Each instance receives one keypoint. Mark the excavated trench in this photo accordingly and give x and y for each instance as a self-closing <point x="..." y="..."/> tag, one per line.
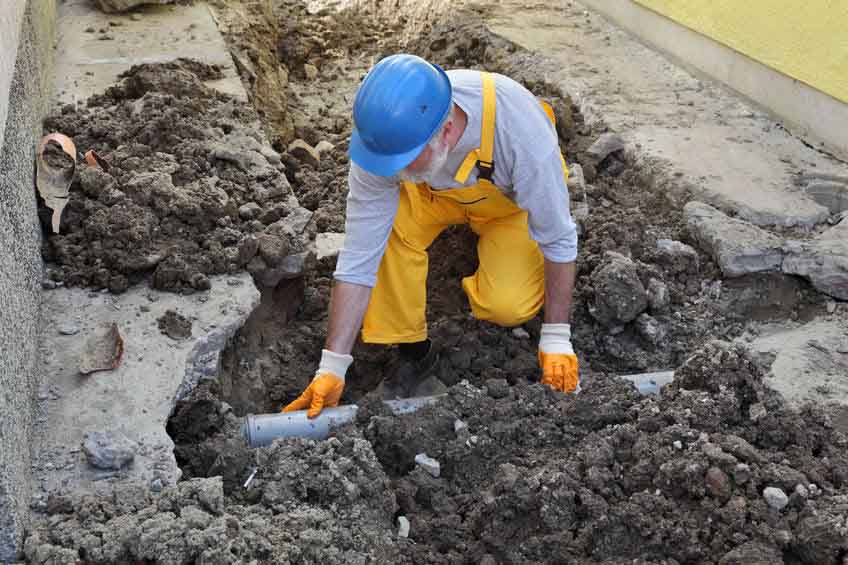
<point x="526" y="475"/>
<point x="633" y="240"/>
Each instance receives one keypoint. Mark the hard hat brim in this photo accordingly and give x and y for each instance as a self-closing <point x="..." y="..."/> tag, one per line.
<point x="380" y="164"/>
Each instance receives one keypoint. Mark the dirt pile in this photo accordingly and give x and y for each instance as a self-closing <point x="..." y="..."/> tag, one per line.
<point x="191" y="188"/>
<point x="715" y="470"/>
<point x="327" y="503"/>
<point x="611" y="477"/>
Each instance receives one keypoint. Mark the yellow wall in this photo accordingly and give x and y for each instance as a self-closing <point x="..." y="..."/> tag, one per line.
<point x="805" y="39"/>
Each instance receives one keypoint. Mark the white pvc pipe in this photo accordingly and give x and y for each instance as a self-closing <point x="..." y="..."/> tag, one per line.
<point x="263" y="429"/>
<point x="650" y="383"/>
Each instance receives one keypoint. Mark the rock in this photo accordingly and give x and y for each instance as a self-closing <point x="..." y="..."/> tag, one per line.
<point x="329" y="244"/>
<point x="833" y="195"/>
<point x="520" y="333"/>
<point x="738" y="247"/>
<point x="304" y="153"/>
<point x="292" y="266"/>
<point x="497" y="388"/>
<point x="718" y="484"/>
<point x="741" y="473"/>
<point x="677" y="444"/>
<point x="311" y="71"/>
<point x="824" y="261"/>
<point x="459" y="427"/>
<point x="775" y="498"/>
<point x="741" y="449"/>
<point x="605" y="145"/>
<point x="265" y="193"/>
<point x="403" y="527"/>
<point x="273" y="246"/>
<point x="249" y="159"/>
<point x="199" y="281"/>
<point x="658" y="296"/>
<point x="429" y="464"/>
<point x="112" y="6"/>
<point x="156" y="485"/>
<point x="619" y="296"/>
<point x="650" y="329"/>
<point x="69" y="328"/>
<point x="799" y="496"/>
<point x="106" y="450"/>
<point x="270" y="155"/>
<point x="757" y="411"/>
<point x="324" y="147"/>
<point x="249" y="211"/>
<point x="677" y="256"/>
<point x="248" y="248"/>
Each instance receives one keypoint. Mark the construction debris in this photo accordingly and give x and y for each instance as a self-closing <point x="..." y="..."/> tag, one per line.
<point x="428" y="464"/>
<point x="738" y="247"/>
<point x="56" y="162"/>
<point x="103" y="350"/>
<point x="108" y="450"/>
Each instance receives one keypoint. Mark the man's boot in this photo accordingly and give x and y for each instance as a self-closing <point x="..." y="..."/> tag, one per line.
<point x="417" y="362"/>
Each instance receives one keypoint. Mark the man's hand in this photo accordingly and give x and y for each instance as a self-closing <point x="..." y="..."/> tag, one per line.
<point x="560" y="368"/>
<point x="326" y="388"/>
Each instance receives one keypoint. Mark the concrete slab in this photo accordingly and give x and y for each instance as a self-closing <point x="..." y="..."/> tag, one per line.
<point x="137" y="398"/>
<point x="823" y="260"/>
<point x="87" y="63"/>
<point x="730" y="154"/>
<point x="739" y="248"/>
<point x="809" y="362"/>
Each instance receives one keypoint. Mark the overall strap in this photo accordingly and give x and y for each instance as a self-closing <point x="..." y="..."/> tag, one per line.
<point x="483" y="157"/>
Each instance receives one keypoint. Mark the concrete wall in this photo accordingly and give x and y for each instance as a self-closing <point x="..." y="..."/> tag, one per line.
<point x="791" y="60"/>
<point x="26" y="47"/>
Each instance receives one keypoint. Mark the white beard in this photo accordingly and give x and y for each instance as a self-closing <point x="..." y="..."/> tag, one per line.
<point x="438" y="158"/>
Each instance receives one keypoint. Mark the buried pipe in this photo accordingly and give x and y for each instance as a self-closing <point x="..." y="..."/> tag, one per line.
<point x="262" y="429"/>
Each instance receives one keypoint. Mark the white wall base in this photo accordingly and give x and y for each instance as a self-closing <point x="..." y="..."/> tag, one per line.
<point x="807" y="112"/>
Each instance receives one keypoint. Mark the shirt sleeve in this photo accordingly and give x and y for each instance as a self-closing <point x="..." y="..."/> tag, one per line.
<point x="541" y="190"/>
<point x="372" y="204"/>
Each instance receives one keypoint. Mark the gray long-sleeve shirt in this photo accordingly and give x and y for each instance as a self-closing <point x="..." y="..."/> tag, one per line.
<point x="527" y="169"/>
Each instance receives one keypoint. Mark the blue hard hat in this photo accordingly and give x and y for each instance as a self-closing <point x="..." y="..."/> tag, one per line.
<point x="400" y="105"/>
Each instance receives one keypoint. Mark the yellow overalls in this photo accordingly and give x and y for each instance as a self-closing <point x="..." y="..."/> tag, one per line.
<point x="509" y="286"/>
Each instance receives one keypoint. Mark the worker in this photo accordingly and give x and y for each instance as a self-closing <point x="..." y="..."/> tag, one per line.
<point x="430" y="149"/>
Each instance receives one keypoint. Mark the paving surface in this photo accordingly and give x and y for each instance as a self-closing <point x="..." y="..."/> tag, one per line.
<point x="809" y="362"/>
<point x="93" y="48"/>
<point x="735" y="156"/>
<point x="136" y="399"/>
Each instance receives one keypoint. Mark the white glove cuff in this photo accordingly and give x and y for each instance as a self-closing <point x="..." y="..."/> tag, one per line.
<point x="334" y="363"/>
<point x="556" y="338"/>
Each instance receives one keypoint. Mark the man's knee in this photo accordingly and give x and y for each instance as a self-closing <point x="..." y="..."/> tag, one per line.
<point x="508" y="308"/>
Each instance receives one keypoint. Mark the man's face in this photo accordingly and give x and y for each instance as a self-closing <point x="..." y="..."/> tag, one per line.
<point x="428" y="163"/>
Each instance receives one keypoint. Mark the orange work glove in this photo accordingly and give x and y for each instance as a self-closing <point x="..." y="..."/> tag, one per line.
<point x="326" y="387"/>
<point x="560" y="368"/>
